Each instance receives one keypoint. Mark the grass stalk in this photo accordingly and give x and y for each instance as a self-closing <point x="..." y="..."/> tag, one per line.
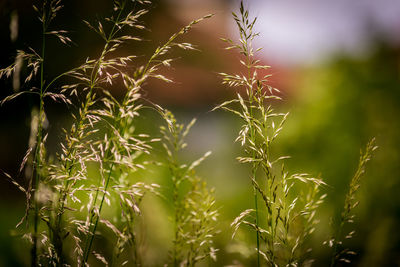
<point x="93" y="76"/>
<point x="37" y="156"/>
<point x="92" y="233"/>
<point x="193" y="208"/>
<point x="346" y="217"/>
<point x="258" y="131"/>
<point x="254" y="165"/>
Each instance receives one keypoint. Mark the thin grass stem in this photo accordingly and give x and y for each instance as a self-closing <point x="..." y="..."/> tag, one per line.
<point x="37" y="159"/>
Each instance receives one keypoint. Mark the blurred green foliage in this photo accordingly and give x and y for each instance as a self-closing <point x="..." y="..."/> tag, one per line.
<point x="336" y="109"/>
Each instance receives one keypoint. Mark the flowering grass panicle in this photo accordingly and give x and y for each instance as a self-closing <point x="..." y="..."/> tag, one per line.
<point x="194" y="213"/>
<point x="286" y="217"/>
<point x="101" y="149"/>
<point x="339" y="252"/>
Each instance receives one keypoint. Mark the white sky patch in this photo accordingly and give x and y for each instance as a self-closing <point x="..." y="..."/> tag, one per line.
<point x="308" y="31"/>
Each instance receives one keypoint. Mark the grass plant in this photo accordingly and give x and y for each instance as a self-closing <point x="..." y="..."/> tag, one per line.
<point x="194" y="216"/>
<point x="286" y="217"/>
<point x="339" y="252"/>
<point x="35" y="61"/>
<point x="56" y="188"/>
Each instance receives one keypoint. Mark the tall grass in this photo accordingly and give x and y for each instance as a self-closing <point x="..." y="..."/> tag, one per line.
<point x="65" y="198"/>
<point x="286" y="217"/>
<point x="77" y="197"/>
<point x="35" y="60"/>
<point x="194" y="212"/>
<point x="339" y="252"/>
<point x="285" y="205"/>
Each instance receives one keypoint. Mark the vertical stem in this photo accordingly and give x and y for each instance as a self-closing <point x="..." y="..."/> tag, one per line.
<point x="173" y="165"/>
<point x="258" y="235"/>
<point x="256" y="208"/>
<point x="37" y="159"/>
<point x="254" y="167"/>
<point x="175" y="196"/>
<point x="87" y="252"/>
<point x="335" y="246"/>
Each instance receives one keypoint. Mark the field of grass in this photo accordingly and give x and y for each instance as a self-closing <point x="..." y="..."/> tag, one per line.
<point x="103" y="174"/>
